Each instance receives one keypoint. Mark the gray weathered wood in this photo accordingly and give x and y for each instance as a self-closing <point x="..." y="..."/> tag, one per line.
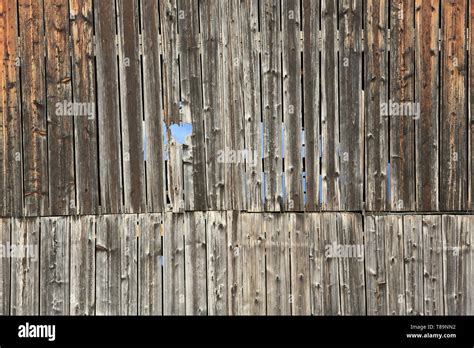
<point x="330" y="271"/>
<point x="413" y="254"/>
<point x="235" y="263"/>
<point x="313" y="225"/>
<point x="5" y="263"/>
<point x="300" y="269"/>
<point x="127" y="228"/>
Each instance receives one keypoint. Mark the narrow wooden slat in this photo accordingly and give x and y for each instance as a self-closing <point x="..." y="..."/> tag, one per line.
<point x="402" y="131"/>
<point x="11" y="180"/>
<point x="311" y="102"/>
<point x="376" y="285"/>
<point x="83" y="265"/>
<point x="150" y="277"/>
<point x="174" y="296"/>
<point x="330" y="169"/>
<point x="25" y="270"/>
<point x="292" y="104"/>
<point x="131" y="106"/>
<point x="175" y="178"/>
<point x="253" y="257"/>
<point x="5" y="263"/>
<point x="128" y="231"/>
<point x="62" y="191"/>
<point x="110" y="162"/>
<point x="272" y="103"/>
<point x="471" y="101"/>
<point x="351" y="267"/>
<point x="84" y="91"/>
<point x="427" y="94"/>
<point x="54" y="263"/>
<point x="191" y="95"/>
<point x="453" y="124"/>
<point x="217" y="259"/>
<point x="279" y="297"/>
<point x="250" y="51"/>
<point x="432" y="265"/>
<point x="300" y="269"/>
<point x="195" y="256"/>
<point x="413" y="253"/>
<point x="235" y="263"/>
<point x="33" y="99"/>
<point x="351" y="114"/>
<point x="313" y="225"/>
<point x="375" y="92"/>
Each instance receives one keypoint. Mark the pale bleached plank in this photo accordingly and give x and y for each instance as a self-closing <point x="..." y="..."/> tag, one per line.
<point x="330" y="269"/>
<point x="313" y="224"/>
<point x="300" y="269"/>
<point x="128" y="230"/>
<point x="413" y="254"/>
<point x="235" y="263"/>
<point x="5" y="263"/>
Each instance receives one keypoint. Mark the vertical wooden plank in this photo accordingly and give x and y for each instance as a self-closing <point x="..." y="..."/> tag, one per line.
<point x="250" y="51"/>
<point x="217" y="259"/>
<point x="330" y="169"/>
<point x="128" y="232"/>
<point x="313" y="225"/>
<point x="392" y="228"/>
<point x="5" y="263"/>
<point x="131" y="106"/>
<point x="253" y="256"/>
<point x="402" y="78"/>
<point x="174" y="296"/>
<point x="272" y="103"/>
<point x="453" y="124"/>
<point x="300" y="272"/>
<point x="110" y="165"/>
<point x="54" y="263"/>
<point x="211" y="89"/>
<point x="83" y="265"/>
<point x="195" y="256"/>
<point x="471" y="101"/>
<point x="150" y="282"/>
<point x="351" y="115"/>
<point x="62" y="191"/>
<point x="11" y="181"/>
<point x="279" y="297"/>
<point x="155" y="181"/>
<point x="351" y="267"/>
<point x="427" y="94"/>
<point x="191" y="94"/>
<point x="175" y="177"/>
<point x="33" y="99"/>
<point x="108" y="265"/>
<point x="235" y="280"/>
<point x="457" y="264"/>
<point x="311" y="102"/>
<point x="330" y="270"/>
<point x="84" y="91"/>
<point x="292" y="104"/>
<point x="432" y="265"/>
<point x="375" y="92"/>
<point x="376" y="285"/>
<point x="413" y="251"/>
<point x="25" y="270"/>
<point x="469" y="263"/>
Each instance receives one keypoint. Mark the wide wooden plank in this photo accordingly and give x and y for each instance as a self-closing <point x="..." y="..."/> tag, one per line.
<point x="330" y="169"/>
<point x="195" y="256"/>
<point x="33" y="99"/>
<point x="110" y="162"/>
<point x="11" y="180"/>
<point x="300" y="269"/>
<point x="55" y="266"/>
<point x="5" y="263"/>
<point x="235" y="263"/>
<point x="253" y="256"/>
<point x="313" y="225"/>
<point x="150" y="276"/>
<point x="432" y="265"/>
<point x="453" y="123"/>
<point x="427" y="95"/>
<point x="413" y="253"/>
<point x="272" y="103"/>
<point x="62" y="191"/>
<point x="376" y="93"/>
<point x="351" y="114"/>
<point x="25" y="290"/>
<point x="174" y="296"/>
<point x="84" y="91"/>
<point x="277" y="231"/>
<point x="131" y="106"/>
<point x="402" y="95"/>
<point x="83" y="265"/>
<point x="292" y="104"/>
<point x="217" y="258"/>
<point x="250" y="53"/>
<point x="311" y="102"/>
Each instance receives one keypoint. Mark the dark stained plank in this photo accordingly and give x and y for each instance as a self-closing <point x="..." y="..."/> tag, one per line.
<point x="471" y="101"/>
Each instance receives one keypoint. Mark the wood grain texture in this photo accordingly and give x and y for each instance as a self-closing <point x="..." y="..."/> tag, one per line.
<point x="300" y="269"/>
<point x="127" y="229"/>
<point x="5" y="266"/>
<point x="413" y="251"/>
<point x="316" y="259"/>
<point x="235" y="263"/>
